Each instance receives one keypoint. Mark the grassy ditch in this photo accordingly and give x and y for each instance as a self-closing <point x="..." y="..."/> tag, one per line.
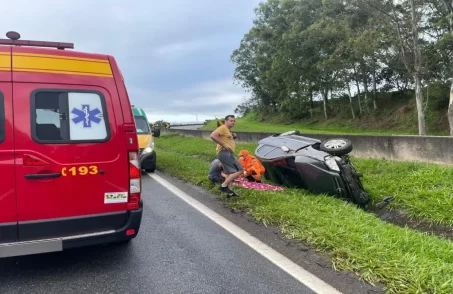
<point x="406" y="261"/>
<point x="422" y="191"/>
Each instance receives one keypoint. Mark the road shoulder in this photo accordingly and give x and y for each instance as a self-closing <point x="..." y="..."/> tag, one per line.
<point x="306" y="257"/>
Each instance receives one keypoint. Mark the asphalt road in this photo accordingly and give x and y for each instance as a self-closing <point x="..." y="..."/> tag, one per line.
<point x="178" y="250"/>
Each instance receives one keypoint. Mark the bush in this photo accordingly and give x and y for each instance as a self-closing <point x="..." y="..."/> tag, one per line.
<point x="438" y="95"/>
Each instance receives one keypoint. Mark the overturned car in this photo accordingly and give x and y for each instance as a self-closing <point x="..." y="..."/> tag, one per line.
<point x="321" y="167"/>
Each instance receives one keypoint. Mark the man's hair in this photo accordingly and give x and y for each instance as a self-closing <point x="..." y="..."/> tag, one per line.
<point x="228" y="117"/>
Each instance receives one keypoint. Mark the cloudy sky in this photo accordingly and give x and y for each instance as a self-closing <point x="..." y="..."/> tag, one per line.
<point x="174" y="54"/>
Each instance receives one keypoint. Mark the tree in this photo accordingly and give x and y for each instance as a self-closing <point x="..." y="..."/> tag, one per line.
<point x="404" y="26"/>
<point x="441" y="28"/>
<point x="300" y="49"/>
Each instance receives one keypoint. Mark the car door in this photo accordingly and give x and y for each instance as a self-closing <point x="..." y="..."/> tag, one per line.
<point x="8" y="211"/>
<point x="69" y="161"/>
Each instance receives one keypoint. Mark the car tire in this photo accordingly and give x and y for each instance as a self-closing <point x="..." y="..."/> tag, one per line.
<point x="151" y="170"/>
<point x="337" y="147"/>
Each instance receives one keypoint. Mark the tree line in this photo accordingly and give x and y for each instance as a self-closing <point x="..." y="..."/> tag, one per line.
<point x="301" y="51"/>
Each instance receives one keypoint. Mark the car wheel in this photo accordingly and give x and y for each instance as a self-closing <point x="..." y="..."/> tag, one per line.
<point x="151" y="169"/>
<point x="337" y="147"/>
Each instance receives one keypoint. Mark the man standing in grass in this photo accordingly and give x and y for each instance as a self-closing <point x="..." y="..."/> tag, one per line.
<point x="225" y="153"/>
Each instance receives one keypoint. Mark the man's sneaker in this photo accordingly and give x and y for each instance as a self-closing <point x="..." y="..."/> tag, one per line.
<point x="228" y="191"/>
<point x="232" y="194"/>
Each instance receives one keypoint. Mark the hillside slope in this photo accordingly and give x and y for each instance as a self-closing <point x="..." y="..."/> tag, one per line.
<point x="396" y="114"/>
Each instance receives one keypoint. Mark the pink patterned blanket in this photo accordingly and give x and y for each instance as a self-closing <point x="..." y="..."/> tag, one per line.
<point x="242" y="182"/>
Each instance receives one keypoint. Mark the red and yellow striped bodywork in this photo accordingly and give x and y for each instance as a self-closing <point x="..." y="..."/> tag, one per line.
<point x="24" y="64"/>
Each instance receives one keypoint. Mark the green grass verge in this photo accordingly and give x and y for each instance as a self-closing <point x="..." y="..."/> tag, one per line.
<point x="405" y="260"/>
<point x="420" y="190"/>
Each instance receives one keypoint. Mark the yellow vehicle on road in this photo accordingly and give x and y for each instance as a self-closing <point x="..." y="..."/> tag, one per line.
<point x="145" y="140"/>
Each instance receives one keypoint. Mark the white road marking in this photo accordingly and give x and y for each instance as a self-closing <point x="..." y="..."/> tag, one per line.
<point x="306" y="278"/>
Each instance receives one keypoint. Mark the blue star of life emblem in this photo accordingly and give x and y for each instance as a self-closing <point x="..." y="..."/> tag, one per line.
<point x="86" y="115"/>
